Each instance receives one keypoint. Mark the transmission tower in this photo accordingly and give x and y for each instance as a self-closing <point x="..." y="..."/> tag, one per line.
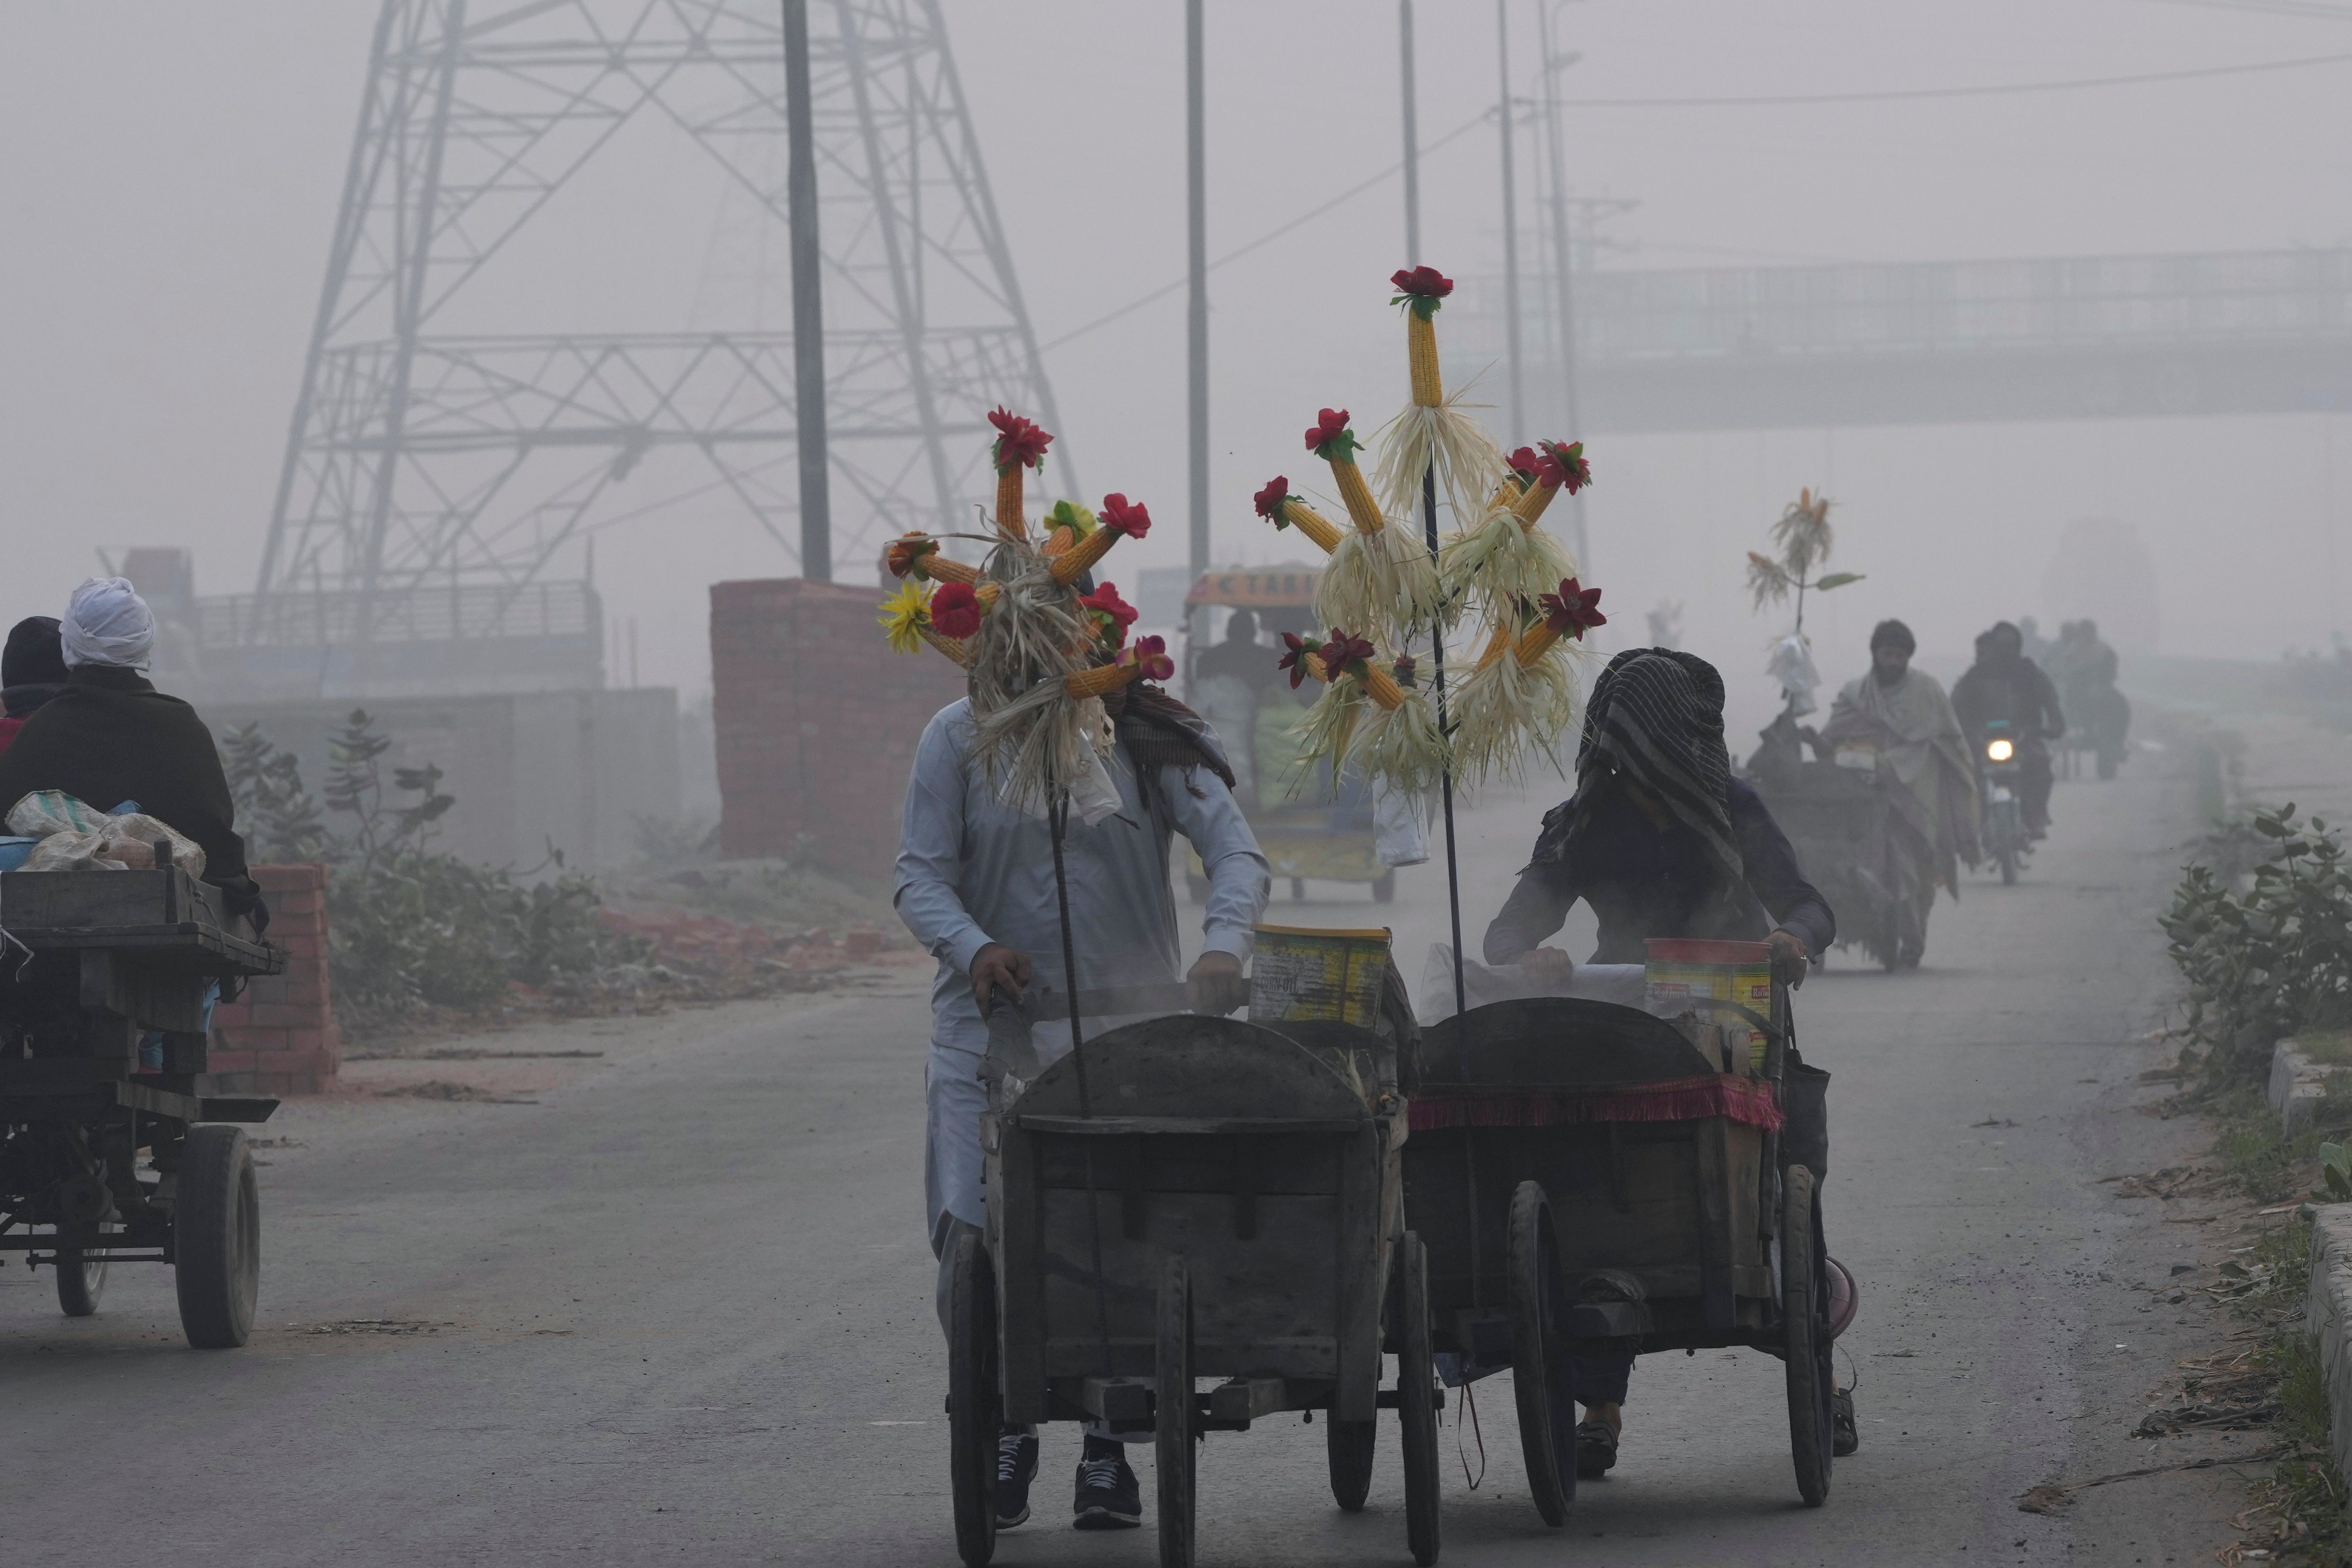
<point x="425" y="458"/>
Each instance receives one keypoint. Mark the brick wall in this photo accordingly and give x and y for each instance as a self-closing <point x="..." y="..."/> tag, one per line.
<point x="816" y="721"/>
<point x="279" y="1037"/>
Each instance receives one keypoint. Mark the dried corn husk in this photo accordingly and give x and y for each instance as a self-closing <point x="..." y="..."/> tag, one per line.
<point x="1386" y="581"/>
<point x="1034" y="739"/>
<point x="1501" y="560"/>
<point x="1512" y="705"/>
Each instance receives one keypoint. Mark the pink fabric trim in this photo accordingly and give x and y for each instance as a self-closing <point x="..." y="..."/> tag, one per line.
<point x="1748" y="1101"/>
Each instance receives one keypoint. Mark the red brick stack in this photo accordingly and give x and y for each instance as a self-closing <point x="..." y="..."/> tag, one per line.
<point x="279" y="1037"/>
<point x="817" y="721"/>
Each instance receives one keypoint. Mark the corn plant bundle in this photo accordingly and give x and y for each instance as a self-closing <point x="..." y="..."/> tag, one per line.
<point x="1020" y="446"/>
<point x="1121" y="519"/>
<point x="1037" y="741"/>
<point x="917" y="555"/>
<point x="1381" y="576"/>
<point x="1432" y="430"/>
<point x="1398" y="740"/>
<point x="1508" y="556"/>
<point x="1525" y="691"/>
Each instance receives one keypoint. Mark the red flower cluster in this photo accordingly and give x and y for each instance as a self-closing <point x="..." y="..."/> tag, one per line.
<point x="1270" y="499"/>
<point x="1117" y="514"/>
<point x="1526" y="461"/>
<point x="1019" y="442"/>
<point x="955" y="610"/>
<point x="1422" y="282"/>
<point x="906" y="551"/>
<point x="1573" y="611"/>
<point x="1150" y="656"/>
<point x="1295" y="660"/>
<point x="1342" y="651"/>
<point x="1565" y="465"/>
<point x="1330" y="438"/>
<point x="1114" y="615"/>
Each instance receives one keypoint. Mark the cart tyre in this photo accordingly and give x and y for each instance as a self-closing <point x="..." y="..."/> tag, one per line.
<point x="1417" y="1400"/>
<point x="1539" y="1377"/>
<point x="1174" y="1428"/>
<point x="1350" y="1445"/>
<point x="974" y="1403"/>
<point x="2008" y="867"/>
<point x="81" y="1282"/>
<point x="217" y="1238"/>
<point x="1804" y="1304"/>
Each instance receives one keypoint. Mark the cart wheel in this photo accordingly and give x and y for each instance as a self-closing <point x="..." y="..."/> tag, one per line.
<point x="975" y="1406"/>
<point x="1417" y="1400"/>
<point x="217" y="1238"/>
<point x="80" y="1281"/>
<point x="1540" y="1377"/>
<point x="1350" y="1445"/>
<point x="1174" y="1458"/>
<point x="1804" y="1308"/>
<point x="1384" y="888"/>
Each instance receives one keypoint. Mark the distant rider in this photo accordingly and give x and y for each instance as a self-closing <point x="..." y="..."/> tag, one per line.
<point x="2003" y="683"/>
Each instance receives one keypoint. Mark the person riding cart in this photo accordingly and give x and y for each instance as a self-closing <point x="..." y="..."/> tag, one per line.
<point x="1663" y="842"/>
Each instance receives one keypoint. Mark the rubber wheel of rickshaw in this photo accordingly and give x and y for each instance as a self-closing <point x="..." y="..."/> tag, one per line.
<point x="1349" y="1444"/>
<point x="1804" y="1310"/>
<point x="975" y="1407"/>
<point x="1173" y="1428"/>
<point x="217" y="1238"/>
<point x="2008" y="868"/>
<point x="80" y="1281"/>
<point x="1417" y="1399"/>
<point x="1540" y="1373"/>
<point x="1384" y="888"/>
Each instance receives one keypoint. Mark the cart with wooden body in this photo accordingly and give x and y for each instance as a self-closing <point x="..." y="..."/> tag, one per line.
<point x="90" y="962"/>
<point x="1193" y="1198"/>
<point x="1592" y="1178"/>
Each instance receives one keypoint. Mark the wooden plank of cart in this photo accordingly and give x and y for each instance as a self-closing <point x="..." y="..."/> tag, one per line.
<point x="1190" y="1198"/>
<point x="1590" y="1176"/>
<point x="92" y="961"/>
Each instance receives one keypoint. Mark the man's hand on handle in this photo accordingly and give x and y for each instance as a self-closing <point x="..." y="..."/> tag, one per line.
<point x="1789" y="960"/>
<point x="1218" y="985"/>
<point x="997" y="968"/>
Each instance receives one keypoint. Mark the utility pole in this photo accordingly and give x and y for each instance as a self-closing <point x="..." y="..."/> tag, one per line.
<point x="1197" y="326"/>
<point x="808" y="301"/>
<point x="1563" y="262"/>
<point x="1510" y="226"/>
<point x="1411" y="138"/>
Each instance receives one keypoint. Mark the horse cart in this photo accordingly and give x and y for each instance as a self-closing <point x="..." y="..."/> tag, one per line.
<point x="1594" y="1179"/>
<point x="91" y="962"/>
<point x="1189" y="1199"/>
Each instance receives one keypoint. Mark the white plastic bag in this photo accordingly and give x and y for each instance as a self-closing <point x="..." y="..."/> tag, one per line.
<point x="76" y="838"/>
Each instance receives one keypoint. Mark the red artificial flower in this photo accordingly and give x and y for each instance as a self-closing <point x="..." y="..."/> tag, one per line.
<point x="1330" y="438"/>
<point x="1525" y="461"/>
<point x="1342" y="651"/>
<point x="1422" y="282"/>
<point x="955" y="610"/>
<point x="1405" y="669"/>
<point x="1018" y="441"/>
<point x="1150" y="656"/>
<point x="1295" y="660"/>
<point x="906" y="551"/>
<point x="1573" y="611"/>
<point x="1133" y="521"/>
<point x="1117" y="613"/>
<point x="1567" y="465"/>
<point x="1270" y="499"/>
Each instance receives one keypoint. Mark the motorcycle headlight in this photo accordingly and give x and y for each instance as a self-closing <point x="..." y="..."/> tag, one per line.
<point x="1999" y="750"/>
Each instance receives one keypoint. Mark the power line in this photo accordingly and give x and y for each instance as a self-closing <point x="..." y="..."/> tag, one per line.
<point x="2309" y="8"/>
<point x="2009" y="90"/>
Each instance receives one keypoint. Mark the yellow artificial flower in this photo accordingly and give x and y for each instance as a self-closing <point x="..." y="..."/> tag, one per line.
<point x="905" y="614"/>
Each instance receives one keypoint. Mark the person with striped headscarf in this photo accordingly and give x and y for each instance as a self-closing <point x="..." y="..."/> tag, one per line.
<point x="1661" y="841"/>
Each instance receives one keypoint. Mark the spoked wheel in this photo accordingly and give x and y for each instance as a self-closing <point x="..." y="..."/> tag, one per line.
<point x="1350" y="1445"/>
<point x="217" y="1238"/>
<point x="975" y="1406"/>
<point x="81" y="1280"/>
<point x="1417" y="1399"/>
<point x="1805" y="1307"/>
<point x="1172" y="1433"/>
<point x="1539" y="1376"/>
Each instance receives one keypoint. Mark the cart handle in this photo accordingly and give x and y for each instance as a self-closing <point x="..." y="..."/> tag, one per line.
<point x="1769" y="1030"/>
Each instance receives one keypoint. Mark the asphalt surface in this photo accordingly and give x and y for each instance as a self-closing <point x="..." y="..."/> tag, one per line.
<point x="676" y="1305"/>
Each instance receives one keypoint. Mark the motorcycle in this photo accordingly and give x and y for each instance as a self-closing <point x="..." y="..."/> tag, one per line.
<point x="1999" y="769"/>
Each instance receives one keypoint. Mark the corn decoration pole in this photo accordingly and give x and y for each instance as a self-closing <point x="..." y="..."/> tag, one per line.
<point x="1433" y="433"/>
<point x="1277" y="505"/>
<point x="1380" y="578"/>
<point x="1121" y="519"/>
<point x="1400" y="739"/>
<point x="1020" y="446"/>
<point x="1508" y="555"/>
<point x="1523" y="694"/>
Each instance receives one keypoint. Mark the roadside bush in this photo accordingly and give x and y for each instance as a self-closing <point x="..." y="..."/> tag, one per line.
<point x="2270" y="958"/>
<point x="411" y="926"/>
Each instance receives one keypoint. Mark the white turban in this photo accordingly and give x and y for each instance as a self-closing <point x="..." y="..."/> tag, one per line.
<point x="106" y="622"/>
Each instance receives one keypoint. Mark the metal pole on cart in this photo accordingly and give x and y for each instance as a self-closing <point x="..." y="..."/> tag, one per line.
<point x="1446" y="789"/>
<point x="1058" y="817"/>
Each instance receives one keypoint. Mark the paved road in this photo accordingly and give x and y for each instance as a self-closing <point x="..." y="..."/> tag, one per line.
<point x="679" y="1307"/>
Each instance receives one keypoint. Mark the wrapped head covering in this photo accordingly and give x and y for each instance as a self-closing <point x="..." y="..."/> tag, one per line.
<point x="33" y="657"/>
<point x="1893" y="634"/>
<point x="1655" y="716"/>
<point x="106" y="622"/>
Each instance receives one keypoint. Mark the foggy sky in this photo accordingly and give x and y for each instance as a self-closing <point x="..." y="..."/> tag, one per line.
<point x="172" y="171"/>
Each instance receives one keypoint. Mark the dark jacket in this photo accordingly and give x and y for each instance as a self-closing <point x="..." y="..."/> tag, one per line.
<point x="1643" y="881"/>
<point x="110" y="737"/>
<point x="2018" y="691"/>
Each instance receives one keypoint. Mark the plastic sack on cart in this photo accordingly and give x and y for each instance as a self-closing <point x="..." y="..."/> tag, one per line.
<point x="1483" y="983"/>
<point x="74" y="837"/>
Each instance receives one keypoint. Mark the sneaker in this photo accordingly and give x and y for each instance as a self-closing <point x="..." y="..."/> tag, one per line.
<point x="1108" y="1497"/>
<point x="1016" y="1466"/>
<point x="1596" y="1449"/>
